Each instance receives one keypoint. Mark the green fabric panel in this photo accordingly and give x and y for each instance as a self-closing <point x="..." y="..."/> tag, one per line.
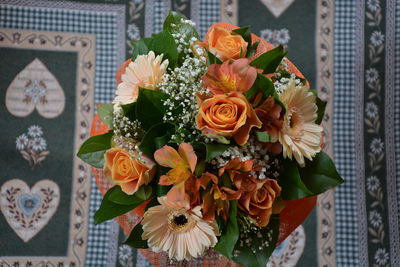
<point x="52" y="240"/>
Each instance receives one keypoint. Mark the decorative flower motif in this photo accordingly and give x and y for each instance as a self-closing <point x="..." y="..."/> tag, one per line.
<point x="174" y="228"/>
<point x="375" y="218"/>
<point x="133" y="31"/>
<point x="35" y="131"/>
<point x="276" y="37"/>
<point x="371" y="75"/>
<point x="230" y="76"/>
<point x="282" y="36"/>
<point x="373" y="5"/>
<point x="146" y="71"/>
<point x="376" y="146"/>
<point x="373" y="183"/>
<point x="21" y="142"/>
<point x="300" y="136"/>
<point x="126" y="170"/>
<point x="225" y="44"/>
<point x="227" y="115"/>
<point x="381" y="256"/>
<point x="39" y="144"/>
<point x="183" y="163"/>
<point x="125" y="252"/>
<point x="377" y="38"/>
<point x="371" y="109"/>
<point x="267" y="35"/>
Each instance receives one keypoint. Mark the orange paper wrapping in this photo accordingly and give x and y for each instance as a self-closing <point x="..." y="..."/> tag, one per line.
<point x="295" y="212"/>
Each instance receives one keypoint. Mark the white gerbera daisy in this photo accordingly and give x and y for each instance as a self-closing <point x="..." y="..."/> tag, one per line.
<point x="21" y="142"/>
<point x="174" y="228"/>
<point x="300" y="136"/>
<point x="35" y="131"/>
<point x="146" y="71"/>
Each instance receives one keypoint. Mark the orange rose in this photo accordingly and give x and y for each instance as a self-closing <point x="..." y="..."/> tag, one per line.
<point x="258" y="199"/>
<point x="225" y="44"/>
<point x="127" y="171"/>
<point x="227" y="115"/>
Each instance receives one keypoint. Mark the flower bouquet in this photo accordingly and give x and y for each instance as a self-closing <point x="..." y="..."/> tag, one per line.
<point x="216" y="144"/>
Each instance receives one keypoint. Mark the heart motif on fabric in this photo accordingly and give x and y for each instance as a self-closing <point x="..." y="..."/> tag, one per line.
<point x="277" y="7"/>
<point x="35" y="87"/>
<point x="27" y="210"/>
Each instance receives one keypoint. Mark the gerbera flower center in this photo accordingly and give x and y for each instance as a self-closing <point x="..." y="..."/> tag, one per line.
<point x="180" y="220"/>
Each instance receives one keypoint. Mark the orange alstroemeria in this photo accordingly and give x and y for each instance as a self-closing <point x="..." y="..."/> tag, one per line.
<point x="216" y="199"/>
<point x="230" y="76"/>
<point x="227" y="115"/>
<point x="183" y="163"/>
<point x="269" y="112"/>
<point x="238" y="170"/>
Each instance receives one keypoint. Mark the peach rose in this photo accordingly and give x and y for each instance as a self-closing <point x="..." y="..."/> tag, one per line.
<point x="258" y="199"/>
<point x="225" y="44"/>
<point x="227" y="115"/>
<point x="127" y="171"/>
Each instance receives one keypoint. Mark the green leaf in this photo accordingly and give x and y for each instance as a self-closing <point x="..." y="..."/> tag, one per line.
<point x="321" y="104"/>
<point x="213" y="59"/>
<point x="161" y="190"/>
<point x="244" y="32"/>
<point x="263" y="137"/>
<point x="109" y="210"/>
<point x="135" y="238"/>
<point x="140" y="47"/>
<point x="120" y="197"/>
<point x="155" y="138"/>
<point x="252" y="49"/>
<point x="214" y="150"/>
<point x="260" y="257"/>
<point x="261" y="85"/>
<point x="130" y="110"/>
<point x="173" y="23"/>
<point x="149" y="107"/>
<point x="270" y="60"/>
<point x="164" y="43"/>
<point x="105" y="112"/>
<point x="93" y="149"/>
<point x="200" y="168"/>
<point x="320" y="174"/>
<point x="291" y="183"/>
<point x="230" y="234"/>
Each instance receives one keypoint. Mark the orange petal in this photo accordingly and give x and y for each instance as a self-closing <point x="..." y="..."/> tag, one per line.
<point x="130" y="187"/>
<point x="167" y="157"/>
<point x="187" y="153"/>
<point x="177" y="193"/>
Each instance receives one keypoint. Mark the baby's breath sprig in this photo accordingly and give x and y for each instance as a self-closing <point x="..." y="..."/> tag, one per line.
<point x="183" y="84"/>
<point x="123" y="126"/>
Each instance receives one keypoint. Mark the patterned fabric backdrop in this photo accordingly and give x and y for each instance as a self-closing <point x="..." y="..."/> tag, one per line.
<point x="58" y="58"/>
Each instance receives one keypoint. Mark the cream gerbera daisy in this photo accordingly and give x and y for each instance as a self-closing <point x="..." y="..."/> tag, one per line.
<point x="174" y="228"/>
<point x="300" y="136"/>
<point x="146" y="71"/>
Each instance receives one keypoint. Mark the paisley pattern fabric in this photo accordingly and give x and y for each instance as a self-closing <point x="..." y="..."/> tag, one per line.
<point x="58" y="58"/>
